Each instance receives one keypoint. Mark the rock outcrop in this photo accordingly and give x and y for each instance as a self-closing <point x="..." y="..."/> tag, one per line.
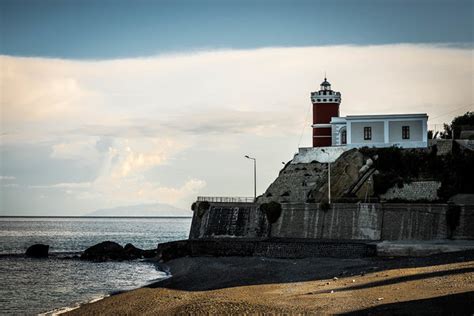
<point x="345" y="172"/>
<point x="109" y="250"/>
<point x="308" y="182"/>
<point x="37" y="251"/>
<point x="132" y="252"/>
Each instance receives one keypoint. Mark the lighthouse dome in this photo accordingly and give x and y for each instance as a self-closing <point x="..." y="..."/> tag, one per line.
<point x="325" y="83"/>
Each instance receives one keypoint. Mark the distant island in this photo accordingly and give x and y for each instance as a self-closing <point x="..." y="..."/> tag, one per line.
<point x="149" y="210"/>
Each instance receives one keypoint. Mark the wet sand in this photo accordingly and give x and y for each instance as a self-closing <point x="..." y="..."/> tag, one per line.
<point x="441" y="284"/>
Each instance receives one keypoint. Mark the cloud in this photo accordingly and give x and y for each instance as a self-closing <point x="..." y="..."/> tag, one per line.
<point x="5" y="178"/>
<point x="202" y="91"/>
<point x="126" y="191"/>
<point x="66" y="185"/>
<point x="84" y="148"/>
<point x="169" y="127"/>
<point x="121" y="178"/>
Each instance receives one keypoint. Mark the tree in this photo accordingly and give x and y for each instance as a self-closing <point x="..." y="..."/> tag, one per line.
<point x="458" y="124"/>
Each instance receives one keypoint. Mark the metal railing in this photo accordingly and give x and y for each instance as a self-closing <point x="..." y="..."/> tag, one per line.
<point x="226" y="199"/>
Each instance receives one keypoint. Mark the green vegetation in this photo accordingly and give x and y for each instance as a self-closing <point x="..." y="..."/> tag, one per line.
<point x="325" y="206"/>
<point x="272" y="211"/>
<point x="202" y="208"/>
<point x="457" y="173"/>
<point x="459" y="123"/>
<point x="397" y="166"/>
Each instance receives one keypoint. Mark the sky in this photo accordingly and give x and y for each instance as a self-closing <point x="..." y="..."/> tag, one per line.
<point x="115" y="103"/>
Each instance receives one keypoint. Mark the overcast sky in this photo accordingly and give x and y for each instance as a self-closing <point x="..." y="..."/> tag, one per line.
<point x="113" y="103"/>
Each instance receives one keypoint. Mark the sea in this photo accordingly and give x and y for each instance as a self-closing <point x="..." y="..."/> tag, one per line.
<point x="49" y="286"/>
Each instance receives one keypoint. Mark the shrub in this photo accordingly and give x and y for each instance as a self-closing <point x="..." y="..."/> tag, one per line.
<point x="397" y="166"/>
<point x="453" y="215"/>
<point x="202" y="208"/>
<point x="324" y="206"/>
<point x="272" y="211"/>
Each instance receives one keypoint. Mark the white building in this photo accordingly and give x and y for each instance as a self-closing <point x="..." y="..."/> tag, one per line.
<point x="402" y="130"/>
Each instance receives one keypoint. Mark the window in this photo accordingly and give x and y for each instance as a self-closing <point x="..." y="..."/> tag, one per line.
<point x="324" y="100"/>
<point x="319" y="100"/>
<point x="324" y="92"/>
<point x="405" y="132"/>
<point x="367" y="133"/>
<point x="344" y="137"/>
<point x="330" y="100"/>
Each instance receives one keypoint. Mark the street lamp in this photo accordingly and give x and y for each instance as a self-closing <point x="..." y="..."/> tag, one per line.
<point x="254" y="177"/>
<point x="329" y="176"/>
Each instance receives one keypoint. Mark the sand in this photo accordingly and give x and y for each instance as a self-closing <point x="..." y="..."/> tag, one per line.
<point x="441" y="284"/>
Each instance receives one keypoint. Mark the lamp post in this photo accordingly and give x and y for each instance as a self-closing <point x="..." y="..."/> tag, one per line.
<point x="329" y="176"/>
<point x="254" y="176"/>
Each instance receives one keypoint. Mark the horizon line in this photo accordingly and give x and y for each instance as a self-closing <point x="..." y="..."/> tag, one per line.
<point x="78" y="216"/>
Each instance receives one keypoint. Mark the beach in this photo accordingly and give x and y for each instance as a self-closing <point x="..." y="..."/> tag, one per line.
<point x="439" y="284"/>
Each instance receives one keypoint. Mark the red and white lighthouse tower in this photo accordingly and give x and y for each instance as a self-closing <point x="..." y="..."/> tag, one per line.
<point x="325" y="106"/>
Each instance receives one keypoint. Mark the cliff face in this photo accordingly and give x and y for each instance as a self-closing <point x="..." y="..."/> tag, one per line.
<point x="370" y="174"/>
<point x="308" y="182"/>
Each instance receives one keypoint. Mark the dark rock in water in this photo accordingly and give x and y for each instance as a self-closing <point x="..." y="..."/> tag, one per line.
<point x="107" y="250"/>
<point x="37" y="251"/>
<point x="150" y="253"/>
<point x="132" y="252"/>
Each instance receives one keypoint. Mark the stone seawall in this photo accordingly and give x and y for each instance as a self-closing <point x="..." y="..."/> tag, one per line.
<point x="414" y="222"/>
<point x="270" y="248"/>
<point x="342" y="221"/>
<point x="229" y="219"/>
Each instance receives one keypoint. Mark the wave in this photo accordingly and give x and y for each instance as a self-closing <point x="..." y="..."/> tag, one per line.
<point x="52" y="255"/>
<point x="63" y="310"/>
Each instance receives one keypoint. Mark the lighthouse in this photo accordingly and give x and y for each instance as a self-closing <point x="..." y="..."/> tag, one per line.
<point x="325" y="106"/>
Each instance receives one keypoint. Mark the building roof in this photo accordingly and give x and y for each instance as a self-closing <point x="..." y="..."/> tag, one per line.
<point x="386" y="116"/>
<point x="344" y="119"/>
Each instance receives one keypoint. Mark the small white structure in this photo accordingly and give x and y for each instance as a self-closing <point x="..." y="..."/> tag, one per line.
<point x="402" y="130"/>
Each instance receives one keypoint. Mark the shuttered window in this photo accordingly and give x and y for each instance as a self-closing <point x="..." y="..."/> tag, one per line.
<point x="367" y="133"/>
<point x="405" y="132"/>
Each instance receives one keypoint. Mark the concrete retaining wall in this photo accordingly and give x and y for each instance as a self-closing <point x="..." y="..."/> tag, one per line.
<point x="414" y="222"/>
<point x="342" y="221"/>
<point x="465" y="230"/>
<point x="271" y="248"/>
<point x="229" y="220"/>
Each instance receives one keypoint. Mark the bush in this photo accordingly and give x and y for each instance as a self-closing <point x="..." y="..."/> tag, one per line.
<point x="325" y="206"/>
<point x="457" y="173"/>
<point x="397" y="166"/>
<point x="202" y="208"/>
<point x="272" y="211"/>
<point x="453" y="215"/>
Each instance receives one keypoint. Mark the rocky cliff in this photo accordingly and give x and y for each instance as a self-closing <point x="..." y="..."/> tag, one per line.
<point x="308" y="182"/>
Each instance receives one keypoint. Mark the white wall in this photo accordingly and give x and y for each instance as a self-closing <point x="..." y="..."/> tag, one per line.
<point x="357" y="132"/>
<point x="395" y="131"/>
